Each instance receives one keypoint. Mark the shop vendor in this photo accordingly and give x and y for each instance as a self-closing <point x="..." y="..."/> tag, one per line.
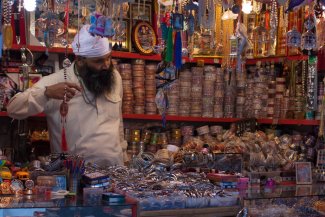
<point x="92" y="90"/>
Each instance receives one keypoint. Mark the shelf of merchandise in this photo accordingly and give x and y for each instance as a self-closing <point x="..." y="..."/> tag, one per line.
<point x="116" y="54"/>
<point x="178" y="118"/>
<point x="123" y="55"/>
<point x="289" y="122"/>
<point x="203" y="120"/>
<point x="276" y="59"/>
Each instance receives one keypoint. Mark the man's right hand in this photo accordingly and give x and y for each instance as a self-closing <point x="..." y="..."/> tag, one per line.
<point x="57" y="91"/>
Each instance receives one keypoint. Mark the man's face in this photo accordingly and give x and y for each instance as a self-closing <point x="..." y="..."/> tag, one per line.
<point x="97" y="74"/>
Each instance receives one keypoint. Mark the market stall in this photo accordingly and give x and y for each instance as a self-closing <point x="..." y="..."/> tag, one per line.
<point x="219" y="107"/>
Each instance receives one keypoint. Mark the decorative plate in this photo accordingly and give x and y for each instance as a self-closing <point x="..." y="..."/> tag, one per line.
<point x="144" y="38"/>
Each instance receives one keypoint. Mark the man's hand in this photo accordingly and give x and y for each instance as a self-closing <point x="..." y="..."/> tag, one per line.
<point x="57" y="91"/>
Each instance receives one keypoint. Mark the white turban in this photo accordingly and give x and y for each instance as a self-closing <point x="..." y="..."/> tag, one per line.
<point x="90" y="46"/>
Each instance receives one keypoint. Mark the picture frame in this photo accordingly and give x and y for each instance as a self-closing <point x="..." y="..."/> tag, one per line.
<point x="60" y="183"/>
<point x="144" y="38"/>
<point x="303" y="173"/>
<point x="140" y="14"/>
<point x="303" y="190"/>
<point x="122" y="42"/>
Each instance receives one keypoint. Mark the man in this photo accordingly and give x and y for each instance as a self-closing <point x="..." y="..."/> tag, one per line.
<point x="93" y="125"/>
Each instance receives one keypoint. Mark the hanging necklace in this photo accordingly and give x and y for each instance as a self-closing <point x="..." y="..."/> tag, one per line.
<point x="87" y="99"/>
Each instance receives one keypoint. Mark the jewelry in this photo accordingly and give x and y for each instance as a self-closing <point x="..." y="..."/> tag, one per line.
<point x="64" y="108"/>
<point x="312" y="84"/>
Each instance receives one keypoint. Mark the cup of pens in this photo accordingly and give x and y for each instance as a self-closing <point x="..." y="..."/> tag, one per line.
<point x="75" y="167"/>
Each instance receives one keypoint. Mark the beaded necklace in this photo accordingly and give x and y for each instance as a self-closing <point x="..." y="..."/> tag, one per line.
<point x="64" y="108"/>
<point x="84" y="94"/>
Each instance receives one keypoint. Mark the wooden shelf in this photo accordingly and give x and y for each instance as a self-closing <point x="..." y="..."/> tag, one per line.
<point x="122" y="55"/>
<point x="276" y="59"/>
<point x="290" y="122"/>
<point x="201" y="119"/>
<point x="217" y="120"/>
<point x="178" y="118"/>
<point x="207" y="60"/>
<point x="116" y="54"/>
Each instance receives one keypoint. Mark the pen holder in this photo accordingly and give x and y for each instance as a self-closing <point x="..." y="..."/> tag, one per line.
<point x="74" y="182"/>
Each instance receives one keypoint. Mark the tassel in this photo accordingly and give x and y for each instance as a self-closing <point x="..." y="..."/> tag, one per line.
<point x="178" y="50"/>
<point x="164" y="31"/>
<point x="169" y="51"/>
<point x="64" y="144"/>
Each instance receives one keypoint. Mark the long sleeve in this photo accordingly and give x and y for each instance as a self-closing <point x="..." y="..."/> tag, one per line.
<point x="123" y="142"/>
<point x="32" y="101"/>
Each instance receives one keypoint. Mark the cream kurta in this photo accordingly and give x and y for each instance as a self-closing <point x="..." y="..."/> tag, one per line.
<point x="98" y="136"/>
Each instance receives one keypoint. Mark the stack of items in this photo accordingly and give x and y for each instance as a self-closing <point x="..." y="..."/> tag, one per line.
<point x="176" y="137"/>
<point x="219" y="94"/>
<point x="150" y="86"/>
<point x="196" y="91"/>
<point x="271" y="99"/>
<point x="320" y="100"/>
<point x="260" y="92"/>
<point x="208" y="91"/>
<point x="187" y="132"/>
<point x="230" y="94"/>
<point x="173" y="98"/>
<point x="185" y="82"/>
<point x="271" y="93"/>
<point x="138" y="86"/>
<point x="279" y="88"/>
<point x="126" y="74"/>
<point x="240" y="99"/>
<point x="217" y="131"/>
<point x="249" y="93"/>
<point x="299" y="102"/>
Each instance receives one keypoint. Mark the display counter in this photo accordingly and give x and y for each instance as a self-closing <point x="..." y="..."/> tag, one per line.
<point x="295" y="200"/>
<point x="36" y="205"/>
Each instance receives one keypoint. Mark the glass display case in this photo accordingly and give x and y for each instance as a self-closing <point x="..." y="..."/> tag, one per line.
<point x="36" y="205"/>
<point x="294" y="200"/>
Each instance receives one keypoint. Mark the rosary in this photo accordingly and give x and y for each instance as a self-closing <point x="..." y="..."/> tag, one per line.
<point x="64" y="108"/>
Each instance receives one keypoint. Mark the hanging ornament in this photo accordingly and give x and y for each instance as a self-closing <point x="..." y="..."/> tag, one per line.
<point x="241" y="33"/>
<point x="229" y="15"/>
<point x="101" y="26"/>
<point x="50" y="26"/>
<point x="312" y="84"/>
<point x="7" y="28"/>
<point x="1" y="37"/>
<point x="162" y="104"/>
<point x="178" y="50"/>
<point x="310" y="22"/>
<point x="191" y="8"/>
<point x="294" y="4"/>
<point x="308" y="41"/>
<point x="293" y="38"/>
<point x="169" y="46"/>
<point x="247" y="7"/>
<point x="178" y="21"/>
<point x="233" y="45"/>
